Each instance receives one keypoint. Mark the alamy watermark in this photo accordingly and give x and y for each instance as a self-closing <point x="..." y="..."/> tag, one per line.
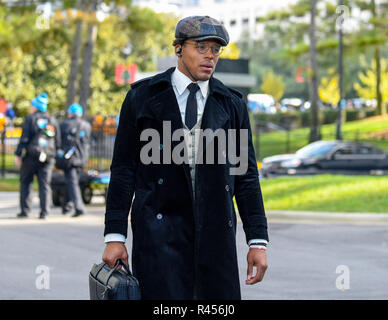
<point x="42" y="22"/>
<point x="42" y="281"/>
<point x="342" y="282"/>
<point x="226" y="141"/>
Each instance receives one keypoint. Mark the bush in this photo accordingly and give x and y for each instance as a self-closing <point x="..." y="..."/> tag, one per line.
<point x="286" y="120"/>
<point x="329" y="116"/>
<point x="300" y="119"/>
<point x="353" y="115"/>
<point x="370" y="113"/>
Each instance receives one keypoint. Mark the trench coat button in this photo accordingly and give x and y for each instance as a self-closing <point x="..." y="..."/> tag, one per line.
<point x="159" y="216"/>
<point x="227" y="188"/>
<point x="230" y="223"/>
<point x="160" y="181"/>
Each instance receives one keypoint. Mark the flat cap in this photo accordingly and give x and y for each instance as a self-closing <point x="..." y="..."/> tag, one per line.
<point x="201" y="28"/>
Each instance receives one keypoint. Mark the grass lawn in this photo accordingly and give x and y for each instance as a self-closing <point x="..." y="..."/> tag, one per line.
<point x="328" y="193"/>
<point x="368" y="130"/>
<point x="12" y="184"/>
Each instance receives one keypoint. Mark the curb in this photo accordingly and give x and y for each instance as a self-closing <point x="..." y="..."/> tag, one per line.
<point x="285" y="216"/>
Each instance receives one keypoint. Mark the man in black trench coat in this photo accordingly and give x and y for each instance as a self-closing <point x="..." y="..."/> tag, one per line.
<point x="182" y="215"/>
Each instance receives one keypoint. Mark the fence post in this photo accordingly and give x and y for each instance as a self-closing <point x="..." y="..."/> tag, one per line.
<point x="287" y="140"/>
<point x="100" y="147"/>
<point x="257" y="141"/>
<point x="357" y="135"/>
<point x="3" y="153"/>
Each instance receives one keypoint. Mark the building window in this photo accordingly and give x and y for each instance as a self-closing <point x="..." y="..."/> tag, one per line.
<point x="232" y="23"/>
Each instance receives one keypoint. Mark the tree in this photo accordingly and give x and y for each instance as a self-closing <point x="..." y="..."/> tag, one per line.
<point x="75" y="55"/>
<point x="314" y="129"/>
<point x="88" y="56"/>
<point x="34" y="60"/>
<point x="373" y="34"/>
<point x="329" y="90"/>
<point x="232" y="51"/>
<point x="273" y="85"/>
<point x="367" y="88"/>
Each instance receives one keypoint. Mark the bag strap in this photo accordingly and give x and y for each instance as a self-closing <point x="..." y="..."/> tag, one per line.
<point x="76" y="137"/>
<point x="118" y="262"/>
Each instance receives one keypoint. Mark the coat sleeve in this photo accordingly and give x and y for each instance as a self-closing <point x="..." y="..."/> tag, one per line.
<point x="58" y="135"/>
<point x="247" y="190"/>
<point x="123" y="170"/>
<point x="26" y="137"/>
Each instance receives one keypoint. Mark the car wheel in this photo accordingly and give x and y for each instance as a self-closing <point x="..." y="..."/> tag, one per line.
<point x="106" y="194"/>
<point x="57" y="197"/>
<point x="314" y="168"/>
<point x="87" y="195"/>
<point x="263" y="173"/>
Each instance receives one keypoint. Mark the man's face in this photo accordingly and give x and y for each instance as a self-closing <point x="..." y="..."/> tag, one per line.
<point x="196" y="65"/>
<point x="32" y="109"/>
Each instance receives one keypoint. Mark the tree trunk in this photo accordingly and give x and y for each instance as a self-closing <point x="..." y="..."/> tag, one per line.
<point x="380" y="107"/>
<point x="314" y="129"/>
<point x="75" y="55"/>
<point x="341" y="112"/>
<point x="87" y="59"/>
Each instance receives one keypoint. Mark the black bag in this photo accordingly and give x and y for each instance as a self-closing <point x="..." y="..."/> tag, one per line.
<point x="63" y="163"/>
<point x="107" y="284"/>
<point x="70" y="143"/>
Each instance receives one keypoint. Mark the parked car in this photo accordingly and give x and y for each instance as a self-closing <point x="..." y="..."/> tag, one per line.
<point x="328" y="156"/>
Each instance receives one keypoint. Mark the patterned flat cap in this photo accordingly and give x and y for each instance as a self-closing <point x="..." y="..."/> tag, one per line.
<point x="200" y="28"/>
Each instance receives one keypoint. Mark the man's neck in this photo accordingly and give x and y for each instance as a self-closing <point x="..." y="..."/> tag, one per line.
<point x="186" y="72"/>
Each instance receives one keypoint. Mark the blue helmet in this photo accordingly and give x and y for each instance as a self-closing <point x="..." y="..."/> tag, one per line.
<point x="40" y="102"/>
<point x="75" y="109"/>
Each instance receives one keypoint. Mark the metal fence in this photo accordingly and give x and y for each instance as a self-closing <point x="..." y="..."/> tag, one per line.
<point x="266" y="144"/>
<point x="100" y="155"/>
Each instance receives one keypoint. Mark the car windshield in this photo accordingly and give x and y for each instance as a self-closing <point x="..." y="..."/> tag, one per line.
<point x="316" y="149"/>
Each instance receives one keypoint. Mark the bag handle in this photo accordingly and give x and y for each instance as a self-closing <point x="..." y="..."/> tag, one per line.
<point x="118" y="262"/>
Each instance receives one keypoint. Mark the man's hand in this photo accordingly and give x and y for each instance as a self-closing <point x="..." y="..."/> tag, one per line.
<point x="18" y="161"/>
<point x="114" y="251"/>
<point x="256" y="258"/>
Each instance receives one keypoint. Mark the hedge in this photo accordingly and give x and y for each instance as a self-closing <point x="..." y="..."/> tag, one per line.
<point x="299" y="119"/>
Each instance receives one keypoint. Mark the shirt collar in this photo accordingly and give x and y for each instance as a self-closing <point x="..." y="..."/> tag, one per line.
<point x="181" y="81"/>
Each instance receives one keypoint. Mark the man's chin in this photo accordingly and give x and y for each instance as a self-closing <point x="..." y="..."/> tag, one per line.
<point x="204" y="76"/>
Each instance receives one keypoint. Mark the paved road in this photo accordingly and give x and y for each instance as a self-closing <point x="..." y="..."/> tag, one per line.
<point x="303" y="257"/>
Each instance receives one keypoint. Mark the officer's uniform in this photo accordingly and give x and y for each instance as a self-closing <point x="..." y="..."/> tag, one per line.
<point x="31" y="165"/>
<point x="78" y="132"/>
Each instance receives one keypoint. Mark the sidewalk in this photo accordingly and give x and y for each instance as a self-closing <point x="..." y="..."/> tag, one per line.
<point x="9" y="208"/>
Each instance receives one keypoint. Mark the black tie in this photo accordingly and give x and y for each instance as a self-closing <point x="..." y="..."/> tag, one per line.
<point x="191" y="106"/>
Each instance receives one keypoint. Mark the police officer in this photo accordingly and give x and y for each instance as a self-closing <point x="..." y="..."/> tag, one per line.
<point x="75" y="134"/>
<point x="35" y="154"/>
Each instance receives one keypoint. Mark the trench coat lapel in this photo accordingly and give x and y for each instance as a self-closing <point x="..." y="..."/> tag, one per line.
<point x="164" y="107"/>
<point x="214" y="116"/>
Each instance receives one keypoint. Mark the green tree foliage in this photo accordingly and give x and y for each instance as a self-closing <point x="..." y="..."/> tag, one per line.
<point x="329" y="89"/>
<point x="273" y="85"/>
<point x="34" y="60"/>
<point x="366" y="88"/>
